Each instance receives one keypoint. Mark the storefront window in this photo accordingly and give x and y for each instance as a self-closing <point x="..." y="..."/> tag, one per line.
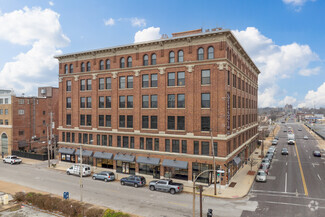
<point x="198" y="168"/>
<point x="104" y="163"/>
<point x="176" y="173"/>
<point x="125" y="167"/>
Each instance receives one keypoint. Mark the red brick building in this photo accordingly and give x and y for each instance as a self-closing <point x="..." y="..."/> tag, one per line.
<point x="31" y="116"/>
<point x="151" y="107"/>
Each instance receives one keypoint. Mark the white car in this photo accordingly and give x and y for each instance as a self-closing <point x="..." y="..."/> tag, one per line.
<point x="305" y="137"/>
<point x="12" y="159"/>
<point x="261" y="176"/>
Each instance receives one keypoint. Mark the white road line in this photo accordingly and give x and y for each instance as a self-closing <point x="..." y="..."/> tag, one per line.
<point x="319" y="177"/>
<point x="309" y="157"/>
<point x="313" y="165"/>
<point x="286" y="163"/>
<point x="292" y="204"/>
<point x="285" y="183"/>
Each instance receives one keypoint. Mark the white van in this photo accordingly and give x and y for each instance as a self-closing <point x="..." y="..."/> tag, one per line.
<point x="75" y="170"/>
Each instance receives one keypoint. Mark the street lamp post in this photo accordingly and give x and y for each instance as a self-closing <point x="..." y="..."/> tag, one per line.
<point x="48" y="146"/>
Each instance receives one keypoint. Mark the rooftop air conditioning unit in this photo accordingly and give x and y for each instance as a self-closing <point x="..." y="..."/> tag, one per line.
<point x="43" y="91"/>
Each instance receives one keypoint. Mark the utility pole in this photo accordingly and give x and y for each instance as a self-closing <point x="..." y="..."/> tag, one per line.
<point x="194" y="178"/>
<point x="201" y="189"/>
<point x="51" y="135"/>
<point x="81" y="171"/>
<point x="214" y="166"/>
<point x="48" y="145"/>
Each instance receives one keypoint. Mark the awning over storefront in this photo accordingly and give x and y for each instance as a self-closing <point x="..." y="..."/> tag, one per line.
<point x="124" y="157"/>
<point x="148" y="160"/>
<point x="175" y="164"/>
<point x="22" y="144"/>
<point x="66" y="151"/>
<point x="85" y="153"/>
<point x="236" y="160"/>
<point x="103" y="155"/>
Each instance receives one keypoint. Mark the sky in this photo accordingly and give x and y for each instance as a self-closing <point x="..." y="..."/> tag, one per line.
<point x="285" y="38"/>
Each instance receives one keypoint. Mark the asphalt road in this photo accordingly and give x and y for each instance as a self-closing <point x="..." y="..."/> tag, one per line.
<point x="295" y="185"/>
<point x="140" y="201"/>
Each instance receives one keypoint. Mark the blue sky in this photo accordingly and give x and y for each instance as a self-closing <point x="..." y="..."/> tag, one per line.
<point x="285" y="38"/>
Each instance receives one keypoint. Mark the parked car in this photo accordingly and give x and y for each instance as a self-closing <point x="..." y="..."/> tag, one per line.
<point x="274" y="142"/>
<point x="284" y="151"/>
<point x="317" y="154"/>
<point x="261" y="176"/>
<point x="272" y="149"/>
<point x="266" y="162"/>
<point x="166" y="185"/>
<point x="269" y="157"/>
<point x="136" y="181"/>
<point x="75" y="170"/>
<point x="104" y="175"/>
<point x="305" y="137"/>
<point x="276" y="137"/>
<point x="264" y="168"/>
<point x="12" y="159"/>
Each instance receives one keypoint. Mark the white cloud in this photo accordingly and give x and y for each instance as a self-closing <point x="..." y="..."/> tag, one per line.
<point x="297" y="4"/>
<point x="148" y="34"/>
<point x="287" y="100"/>
<point x="308" y="72"/>
<point x="51" y="3"/>
<point x="109" y="22"/>
<point x="274" y="61"/>
<point x="40" y="30"/>
<point x="139" y="22"/>
<point x="316" y="98"/>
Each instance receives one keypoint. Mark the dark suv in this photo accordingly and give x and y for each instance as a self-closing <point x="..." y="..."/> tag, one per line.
<point x="136" y="181"/>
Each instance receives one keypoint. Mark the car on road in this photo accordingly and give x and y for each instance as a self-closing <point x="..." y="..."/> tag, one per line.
<point x="284" y="151"/>
<point x="269" y="157"/>
<point x="291" y="142"/>
<point x="264" y="168"/>
<point x="284" y="131"/>
<point x="135" y="181"/>
<point x="276" y="137"/>
<point x="299" y="129"/>
<point x="317" y="154"/>
<point x="266" y="162"/>
<point x="104" y="175"/>
<point x="75" y="170"/>
<point x="305" y="137"/>
<point x="261" y="176"/>
<point x="274" y="142"/>
<point x="166" y="185"/>
<point x="12" y="159"/>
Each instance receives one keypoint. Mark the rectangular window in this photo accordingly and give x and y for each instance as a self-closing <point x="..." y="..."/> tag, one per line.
<point x="145" y="122"/>
<point x="228" y="147"/>
<point x="149" y="143"/>
<point x="101" y="85"/>
<point x="125" y="142"/>
<point x="82" y="120"/>
<point x="110" y="140"/>
<point x="108" y="83"/>
<point x="79" y="137"/>
<point x="180" y="78"/>
<point x="118" y="141"/>
<point x="205" y="123"/>
<point x="175" y="146"/>
<point x="154" y="122"/>
<point x="205" y="76"/>
<point x="141" y="143"/>
<point x="234" y="101"/>
<point x="68" y="85"/>
<point x="108" y="102"/>
<point x="82" y="102"/>
<point x="130" y="102"/>
<point x="91" y="139"/>
<point x="205" y="148"/>
<point x="180" y="122"/>
<point x="82" y="85"/>
<point x="171" y="123"/>
<point x="20" y="101"/>
<point x="171" y="79"/>
<point x="63" y="136"/>
<point x="167" y="145"/>
<point x="180" y="100"/>
<point x="21" y="133"/>
<point x="88" y="120"/>
<point x="205" y="100"/>
<point x="122" y="82"/>
<point x="88" y="84"/>
<point x="145" y="80"/>
<point x="101" y="102"/>
<point x="154" y="80"/>
<point x="21" y="111"/>
<point x="171" y="101"/>
<point x="122" y="121"/>
<point x="131" y="142"/>
<point x="154" y="101"/>
<point x="145" y="101"/>
<point x="196" y="147"/>
<point x="108" y="121"/>
<point x="68" y="119"/>
<point x="184" y="146"/>
<point x="233" y="122"/>
<point x="72" y="137"/>
<point x="68" y="102"/>
<point x="156" y="144"/>
<point x="88" y="102"/>
<point x="104" y="140"/>
<point x="129" y="120"/>
<point x="130" y="81"/>
<point x="98" y="139"/>
<point x="122" y="102"/>
<point x="234" y="80"/>
<point x="101" y="120"/>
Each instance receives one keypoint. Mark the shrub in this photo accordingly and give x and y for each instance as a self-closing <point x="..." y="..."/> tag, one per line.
<point x="30" y="197"/>
<point x="20" y="196"/>
<point x="112" y="213"/>
<point x="94" y="212"/>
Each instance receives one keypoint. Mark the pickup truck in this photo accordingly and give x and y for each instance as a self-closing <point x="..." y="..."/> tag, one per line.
<point x="12" y="160"/>
<point x="166" y="185"/>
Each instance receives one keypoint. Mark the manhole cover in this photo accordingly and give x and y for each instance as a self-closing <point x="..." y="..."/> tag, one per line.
<point x="232" y="184"/>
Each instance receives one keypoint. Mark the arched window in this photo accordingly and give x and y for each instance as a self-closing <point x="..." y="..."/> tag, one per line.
<point x="122" y="62"/>
<point x="101" y="65"/>
<point x="145" y="60"/>
<point x="129" y="61"/>
<point x="180" y="56"/>
<point x="82" y="67"/>
<point x="108" y="64"/>
<point x="71" y="68"/>
<point x="88" y="66"/>
<point x="65" y="69"/>
<point x="200" y="54"/>
<point x="171" y="57"/>
<point x="153" y="59"/>
<point x="210" y="53"/>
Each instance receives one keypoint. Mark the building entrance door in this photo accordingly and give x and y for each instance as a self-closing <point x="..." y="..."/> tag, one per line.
<point x="4" y="143"/>
<point x="126" y="167"/>
<point x="156" y="172"/>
